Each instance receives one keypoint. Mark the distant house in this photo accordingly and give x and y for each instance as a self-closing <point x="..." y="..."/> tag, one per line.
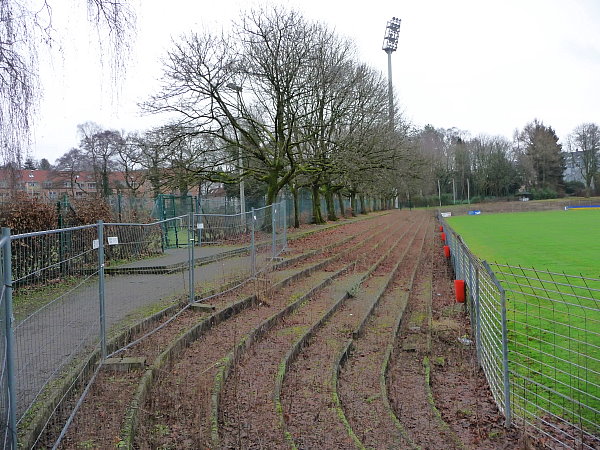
<point x="573" y="164"/>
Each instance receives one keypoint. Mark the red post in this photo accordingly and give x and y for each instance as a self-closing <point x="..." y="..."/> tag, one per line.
<point x="447" y="251"/>
<point x="459" y="288"/>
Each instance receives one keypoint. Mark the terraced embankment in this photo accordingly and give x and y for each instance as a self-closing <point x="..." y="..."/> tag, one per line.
<point x="312" y="417"/>
<point x="192" y="387"/>
<point x="115" y="397"/>
<point x="337" y="348"/>
<point x="247" y="417"/>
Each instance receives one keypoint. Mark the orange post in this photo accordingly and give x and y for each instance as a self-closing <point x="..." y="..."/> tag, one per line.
<point x="459" y="288"/>
<point x="447" y="251"/>
<point x="441" y="228"/>
<point x="443" y="237"/>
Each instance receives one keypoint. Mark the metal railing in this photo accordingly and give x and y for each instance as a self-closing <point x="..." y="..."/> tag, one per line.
<point x="66" y="299"/>
<point x="537" y="336"/>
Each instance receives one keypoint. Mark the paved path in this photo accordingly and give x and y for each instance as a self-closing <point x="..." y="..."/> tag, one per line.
<point x="179" y="255"/>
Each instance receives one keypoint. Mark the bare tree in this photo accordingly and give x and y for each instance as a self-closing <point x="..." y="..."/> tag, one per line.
<point x="127" y="159"/>
<point x="584" y="146"/>
<point x="100" y="147"/>
<point x="22" y="31"/>
<point x="70" y="164"/>
<point x="243" y="91"/>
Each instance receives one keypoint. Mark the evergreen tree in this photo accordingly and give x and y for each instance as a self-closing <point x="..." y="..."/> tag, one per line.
<point x="541" y="158"/>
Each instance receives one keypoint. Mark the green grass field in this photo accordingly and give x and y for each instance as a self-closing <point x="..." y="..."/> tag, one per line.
<point x="561" y="241"/>
<point x="554" y="329"/>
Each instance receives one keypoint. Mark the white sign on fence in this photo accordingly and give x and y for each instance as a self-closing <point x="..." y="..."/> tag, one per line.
<point x="200" y="225"/>
<point x="95" y="243"/>
<point x="446" y="214"/>
<point x="113" y="240"/>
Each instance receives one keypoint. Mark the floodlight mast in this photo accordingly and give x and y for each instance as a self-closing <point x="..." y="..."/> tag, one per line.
<point x="390" y="44"/>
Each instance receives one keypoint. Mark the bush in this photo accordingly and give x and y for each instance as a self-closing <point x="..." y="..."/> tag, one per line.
<point x="88" y="211"/>
<point x="576" y="188"/>
<point x="430" y="200"/>
<point x="25" y="214"/>
<point x="543" y="194"/>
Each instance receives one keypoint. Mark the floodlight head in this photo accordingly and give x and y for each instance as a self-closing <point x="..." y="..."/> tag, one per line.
<point x="390" y="40"/>
<point x="394" y="24"/>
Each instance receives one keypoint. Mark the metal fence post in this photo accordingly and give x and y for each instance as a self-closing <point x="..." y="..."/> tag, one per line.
<point x="273" y="230"/>
<point x="284" y="206"/>
<point x="101" y="288"/>
<point x="252" y="244"/>
<point x="506" y="377"/>
<point x="191" y="233"/>
<point x="477" y="316"/>
<point x="11" y="385"/>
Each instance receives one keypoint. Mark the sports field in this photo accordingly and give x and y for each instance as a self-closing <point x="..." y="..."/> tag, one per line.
<point x="553" y="326"/>
<point x="561" y="241"/>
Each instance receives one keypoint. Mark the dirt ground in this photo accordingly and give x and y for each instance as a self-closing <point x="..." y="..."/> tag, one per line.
<point x="406" y="382"/>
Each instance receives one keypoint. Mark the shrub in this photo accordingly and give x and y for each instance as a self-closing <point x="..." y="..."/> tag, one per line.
<point x="88" y="211"/>
<point x="25" y="214"/>
<point x="543" y="194"/>
<point x="575" y="188"/>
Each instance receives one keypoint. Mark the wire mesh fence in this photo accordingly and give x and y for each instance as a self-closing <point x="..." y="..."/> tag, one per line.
<point x="537" y="336"/>
<point x="55" y="274"/>
<point x="127" y="208"/>
<point x="73" y="285"/>
<point x="554" y="341"/>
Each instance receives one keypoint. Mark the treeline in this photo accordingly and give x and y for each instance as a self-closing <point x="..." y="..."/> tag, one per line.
<point x="460" y="168"/>
<point x="280" y="102"/>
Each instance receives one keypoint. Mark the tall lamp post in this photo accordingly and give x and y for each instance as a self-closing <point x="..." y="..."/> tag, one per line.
<point x="390" y="44"/>
<point x="238" y="89"/>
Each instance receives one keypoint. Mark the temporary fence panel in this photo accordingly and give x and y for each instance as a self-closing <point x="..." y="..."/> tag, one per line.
<point x="279" y="228"/>
<point x="223" y="234"/>
<point x="263" y="237"/>
<point x="132" y="269"/>
<point x="56" y="297"/>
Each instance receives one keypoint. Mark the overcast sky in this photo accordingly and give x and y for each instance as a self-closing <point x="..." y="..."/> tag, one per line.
<point x="480" y="66"/>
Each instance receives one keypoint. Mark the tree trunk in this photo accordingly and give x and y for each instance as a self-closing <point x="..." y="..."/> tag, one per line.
<point x="353" y="203"/>
<point x="330" y="205"/>
<point x="363" y="209"/>
<point x="341" y="202"/>
<point x="316" y="205"/>
<point x="271" y="193"/>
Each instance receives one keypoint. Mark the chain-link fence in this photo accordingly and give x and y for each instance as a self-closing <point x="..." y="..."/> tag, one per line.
<point x="71" y="286"/>
<point x="537" y="336"/>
